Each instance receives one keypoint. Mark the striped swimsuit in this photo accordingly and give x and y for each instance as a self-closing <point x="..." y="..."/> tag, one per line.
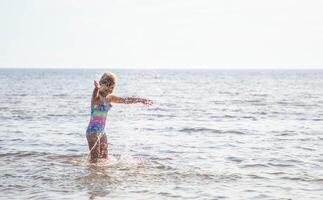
<point x="98" y="117"/>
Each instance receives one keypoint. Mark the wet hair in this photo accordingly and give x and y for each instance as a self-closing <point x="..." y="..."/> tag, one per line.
<point x="108" y="79"/>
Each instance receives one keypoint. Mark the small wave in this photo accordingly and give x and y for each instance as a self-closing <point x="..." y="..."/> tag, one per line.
<point x="285" y="133"/>
<point x="4" y="108"/>
<point x="218" y="102"/>
<point x="229" y="116"/>
<point x="234" y="159"/>
<point x="21" y="154"/>
<point x="234" y="132"/>
<point x="163" y="115"/>
<point x="156" y="129"/>
<point x="253" y="165"/>
<point x="254" y="101"/>
<point x="22" y="117"/>
<point x="255" y="176"/>
<point x="259" y="113"/>
<point x="169" y="195"/>
<point x="16" y="139"/>
<point x="196" y="130"/>
<point x="158" y="109"/>
<point x="115" y="161"/>
<point x="249" y="117"/>
<point x="302" y="178"/>
<point x="306" y="148"/>
<point x="60" y="95"/>
<point x="276" y="173"/>
<point x="282" y="102"/>
<point x="59" y="115"/>
<point x="304" y="105"/>
<point x="200" y="175"/>
<point x="208" y="130"/>
<point x="280" y="165"/>
<point x="260" y="95"/>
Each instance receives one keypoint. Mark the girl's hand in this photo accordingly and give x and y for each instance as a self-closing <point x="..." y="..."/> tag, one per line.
<point x="96" y="84"/>
<point x="147" y="102"/>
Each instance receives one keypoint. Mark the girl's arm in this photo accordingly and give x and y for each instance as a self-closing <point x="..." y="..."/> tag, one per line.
<point x="95" y="94"/>
<point x="128" y="100"/>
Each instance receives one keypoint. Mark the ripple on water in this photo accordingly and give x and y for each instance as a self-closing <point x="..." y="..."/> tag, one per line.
<point x="209" y="130"/>
<point x="199" y="130"/>
<point x="22" y="154"/>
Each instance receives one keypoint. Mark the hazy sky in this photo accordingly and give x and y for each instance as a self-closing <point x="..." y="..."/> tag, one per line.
<point x="161" y="33"/>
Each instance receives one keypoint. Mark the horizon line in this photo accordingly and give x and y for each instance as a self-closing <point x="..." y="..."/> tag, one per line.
<point x="168" y="68"/>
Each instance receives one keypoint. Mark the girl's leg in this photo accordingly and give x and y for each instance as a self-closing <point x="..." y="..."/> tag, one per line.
<point x="103" y="147"/>
<point x="94" y="145"/>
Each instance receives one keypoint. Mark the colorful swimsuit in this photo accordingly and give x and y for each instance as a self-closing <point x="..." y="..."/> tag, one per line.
<point x="98" y="117"/>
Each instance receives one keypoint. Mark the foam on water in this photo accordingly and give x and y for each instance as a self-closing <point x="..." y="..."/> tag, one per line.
<point x="117" y="161"/>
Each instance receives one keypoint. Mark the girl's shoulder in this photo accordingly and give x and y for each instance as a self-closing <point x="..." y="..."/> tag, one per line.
<point x="108" y="98"/>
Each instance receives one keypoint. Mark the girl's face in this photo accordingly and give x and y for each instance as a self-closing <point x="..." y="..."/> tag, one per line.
<point x="104" y="90"/>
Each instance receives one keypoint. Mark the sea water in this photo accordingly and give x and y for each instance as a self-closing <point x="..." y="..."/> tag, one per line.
<point x="210" y="134"/>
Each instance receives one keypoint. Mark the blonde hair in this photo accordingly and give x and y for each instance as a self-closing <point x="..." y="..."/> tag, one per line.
<point x="108" y="79"/>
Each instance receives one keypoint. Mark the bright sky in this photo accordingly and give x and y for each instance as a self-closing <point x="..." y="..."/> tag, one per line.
<point x="162" y="33"/>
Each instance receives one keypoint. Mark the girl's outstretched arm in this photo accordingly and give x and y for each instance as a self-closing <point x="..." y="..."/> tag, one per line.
<point x="128" y="100"/>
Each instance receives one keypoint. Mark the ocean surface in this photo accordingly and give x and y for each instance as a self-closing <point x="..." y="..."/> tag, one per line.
<point x="210" y="134"/>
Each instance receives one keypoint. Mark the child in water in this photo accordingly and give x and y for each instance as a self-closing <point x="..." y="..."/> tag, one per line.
<point x="100" y="105"/>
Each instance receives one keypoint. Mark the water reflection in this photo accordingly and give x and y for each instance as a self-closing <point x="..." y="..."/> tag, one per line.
<point x="97" y="180"/>
<point x="105" y="177"/>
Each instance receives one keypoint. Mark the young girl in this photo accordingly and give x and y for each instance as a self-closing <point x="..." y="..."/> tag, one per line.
<point x="100" y="105"/>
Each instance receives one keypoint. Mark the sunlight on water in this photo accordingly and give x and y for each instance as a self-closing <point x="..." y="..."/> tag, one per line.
<point x="209" y="135"/>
